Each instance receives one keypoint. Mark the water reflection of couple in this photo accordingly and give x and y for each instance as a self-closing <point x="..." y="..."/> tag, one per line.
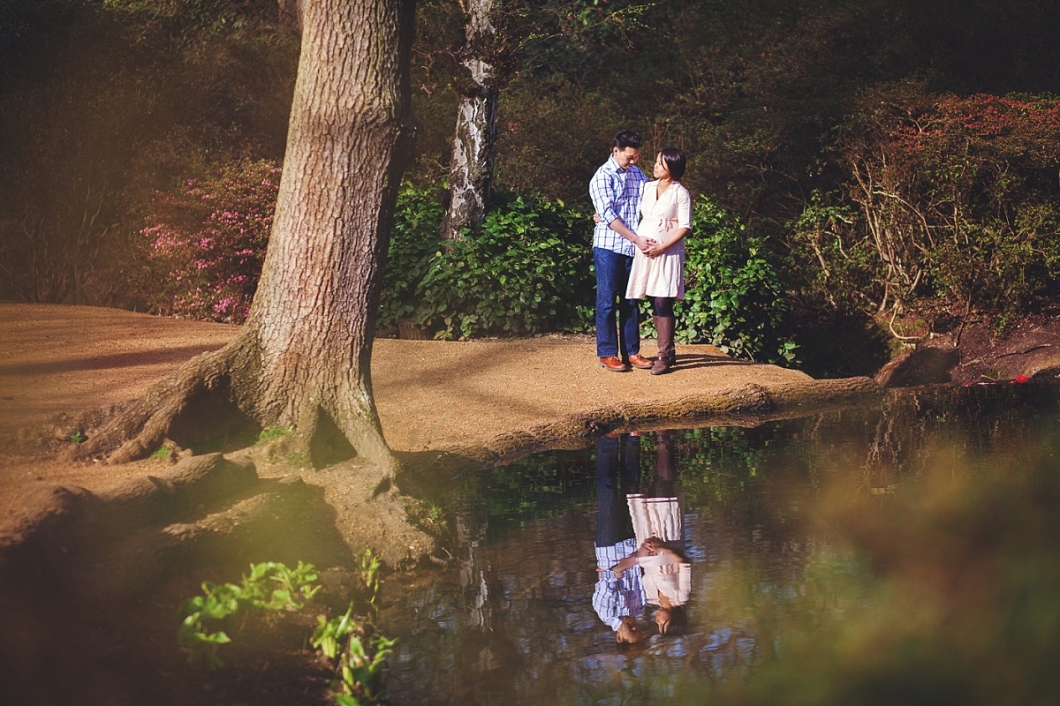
<point x="638" y="540"/>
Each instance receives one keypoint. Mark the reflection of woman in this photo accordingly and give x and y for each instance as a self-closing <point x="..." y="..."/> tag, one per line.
<point x="658" y="270"/>
<point x="658" y="525"/>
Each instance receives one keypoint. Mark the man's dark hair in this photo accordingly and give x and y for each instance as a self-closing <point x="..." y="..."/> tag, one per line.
<point x="674" y="159"/>
<point x="628" y="138"/>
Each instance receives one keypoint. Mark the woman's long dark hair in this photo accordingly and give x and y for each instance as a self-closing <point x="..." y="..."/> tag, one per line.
<point x="674" y="159"/>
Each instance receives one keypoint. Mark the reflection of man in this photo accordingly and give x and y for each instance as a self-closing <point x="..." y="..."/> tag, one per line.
<point x="618" y="597"/>
<point x="658" y="526"/>
<point x="615" y="191"/>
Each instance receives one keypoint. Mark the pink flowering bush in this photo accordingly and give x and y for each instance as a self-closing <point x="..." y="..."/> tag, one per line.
<point x="207" y="239"/>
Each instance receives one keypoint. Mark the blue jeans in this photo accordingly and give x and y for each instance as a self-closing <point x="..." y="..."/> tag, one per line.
<point x="612" y="276"/>
<point x="617" y="474"/>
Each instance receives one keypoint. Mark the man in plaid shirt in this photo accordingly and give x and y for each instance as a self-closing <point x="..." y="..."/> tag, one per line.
<point x="615" y="191"/>
<point x="618" y="598"/>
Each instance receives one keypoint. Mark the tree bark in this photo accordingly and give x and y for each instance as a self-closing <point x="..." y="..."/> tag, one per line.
<point x="302" y="358"/>
<point x="471" y="167"/>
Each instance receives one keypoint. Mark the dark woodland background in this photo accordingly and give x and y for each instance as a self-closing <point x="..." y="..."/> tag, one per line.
<point x="893" y="165"/>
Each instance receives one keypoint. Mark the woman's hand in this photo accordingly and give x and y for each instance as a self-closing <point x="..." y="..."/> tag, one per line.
<point x="654" y="249"/>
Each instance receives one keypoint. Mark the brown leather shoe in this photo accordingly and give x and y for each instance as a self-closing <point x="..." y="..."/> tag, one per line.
<point x="613" y="364"/>
<point x="639" y="361"/>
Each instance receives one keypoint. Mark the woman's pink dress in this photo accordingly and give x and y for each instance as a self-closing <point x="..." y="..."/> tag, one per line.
<point x="662" y="276"/>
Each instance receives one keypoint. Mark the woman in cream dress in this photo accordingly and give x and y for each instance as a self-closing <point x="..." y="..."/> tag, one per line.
<point x="658" y="527"/>
<point x="658" y="269"/>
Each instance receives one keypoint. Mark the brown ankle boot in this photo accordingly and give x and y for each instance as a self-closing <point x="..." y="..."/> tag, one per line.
<point x="664" y="330"/>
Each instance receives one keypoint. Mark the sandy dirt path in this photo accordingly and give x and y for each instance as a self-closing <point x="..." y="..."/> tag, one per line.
<point x="431" y="395"/>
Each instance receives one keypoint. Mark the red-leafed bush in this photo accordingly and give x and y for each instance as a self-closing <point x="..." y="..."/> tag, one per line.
<point x="207" y="242"/>
<point x="949" y="202"/>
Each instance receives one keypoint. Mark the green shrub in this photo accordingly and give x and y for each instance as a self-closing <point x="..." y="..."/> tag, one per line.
<point x="415" y="237"/>
<point x="528" y="271"/>
<point x="531" y="270"/>
<point x="733" y="295"/>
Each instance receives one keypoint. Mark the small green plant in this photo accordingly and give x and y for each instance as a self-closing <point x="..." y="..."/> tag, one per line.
<point x="360" y="671"/>
<point x="271" y="586"/>
<point x="1003" y="322"/>
<point x="297" y="459"/>
<point x="330" y="633"/>
<point x="77" y="437"/>
<point x="369" y="566"/>
<point x="272" y="433"/>
<point x="161" y="453"/>
<point x="356" y="651"/>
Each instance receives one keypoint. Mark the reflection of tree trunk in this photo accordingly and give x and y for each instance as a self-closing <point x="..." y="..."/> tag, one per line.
<point x="471" y="169"/>
<point x="302" y="359"/>
<point x="470" y="532"/>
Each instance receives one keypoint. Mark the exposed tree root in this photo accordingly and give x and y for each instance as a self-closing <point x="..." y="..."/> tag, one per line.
<point x="221" y="394"/>
<point x="141" y="428"/>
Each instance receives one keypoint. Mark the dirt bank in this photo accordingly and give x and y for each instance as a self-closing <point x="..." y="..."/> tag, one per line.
<point x="475" y="398"/>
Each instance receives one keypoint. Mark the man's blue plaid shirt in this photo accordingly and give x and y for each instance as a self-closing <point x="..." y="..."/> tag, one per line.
<point x="615" y="194"/>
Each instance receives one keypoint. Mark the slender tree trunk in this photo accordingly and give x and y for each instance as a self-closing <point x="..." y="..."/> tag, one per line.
<point x="471" y="168"/>
<point x="302" y="359"/>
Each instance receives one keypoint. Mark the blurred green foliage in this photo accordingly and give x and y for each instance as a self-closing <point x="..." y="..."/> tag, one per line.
<point x="351" y="645"/>
<point x="270" y="587"/>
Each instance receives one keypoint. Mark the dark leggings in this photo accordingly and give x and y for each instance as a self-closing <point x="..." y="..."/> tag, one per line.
<point x="662" y="306"/>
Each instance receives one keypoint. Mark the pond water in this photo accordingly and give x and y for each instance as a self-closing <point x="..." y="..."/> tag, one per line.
<point x="903" y="553"/>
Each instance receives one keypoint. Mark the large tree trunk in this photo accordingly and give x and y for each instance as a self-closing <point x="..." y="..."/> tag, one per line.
<point x="302" y="359"/>
<point x="471" y="168"/>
